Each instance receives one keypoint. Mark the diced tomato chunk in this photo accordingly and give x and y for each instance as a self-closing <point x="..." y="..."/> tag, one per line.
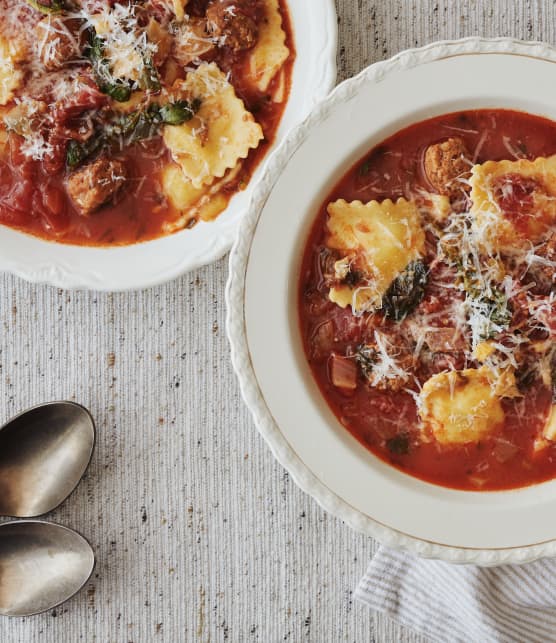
<point x="21" y="195"/>
<point x="515" y="195"/>
<point x="88" y="97"/>
<point x="547" y="316"/>
<point x="53" y="199"/>
<point x="54" y="212"/>
<point x="6" y="180"/>
<point x="56" y="223"/>
<point x="504" y="450"/>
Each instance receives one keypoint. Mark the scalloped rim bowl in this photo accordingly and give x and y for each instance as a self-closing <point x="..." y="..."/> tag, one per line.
<point x="486" y="528"/>
<point x="154" y="262"/>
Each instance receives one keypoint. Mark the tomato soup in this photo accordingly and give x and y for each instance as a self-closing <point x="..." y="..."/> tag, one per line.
<point x="427" y="300"/>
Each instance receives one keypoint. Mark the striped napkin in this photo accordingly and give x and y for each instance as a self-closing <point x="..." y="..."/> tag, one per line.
<point x="464" y="603"/>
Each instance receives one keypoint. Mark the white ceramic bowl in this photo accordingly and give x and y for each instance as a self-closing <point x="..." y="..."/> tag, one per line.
<point x="154" y="262"/>
<point x="323" y="458"/>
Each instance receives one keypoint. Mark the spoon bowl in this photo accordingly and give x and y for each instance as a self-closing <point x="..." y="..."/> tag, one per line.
<point x="44" y="452"/>
<point x="41" y="565"/>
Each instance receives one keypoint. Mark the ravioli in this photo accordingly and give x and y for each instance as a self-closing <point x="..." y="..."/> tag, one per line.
<point x="549" y="431"/>
<point x="10" y="75"/>
<point x="221" y="133"/>
<point x="204" y="203"/>
<point x="179" y="190"/>
<point x="270" y="52"/>
<point x="179" y="11"/>
<point x="382" y="238"/>
<point x="513" y="200"/>
<point x="461" y="406"/>
<point x="435" y="207"/>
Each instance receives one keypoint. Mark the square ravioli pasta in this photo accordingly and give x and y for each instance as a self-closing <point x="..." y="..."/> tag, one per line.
<point x="10" y="74"/>
<point x="513" y="202"/>
<point x="270" y="52"/>
<point x="376" y="241"/>
<point x="220" y="134"/>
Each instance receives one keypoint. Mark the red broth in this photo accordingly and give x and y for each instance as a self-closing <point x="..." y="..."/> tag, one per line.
<point x="33" y="197"/>
<point x="506" y="458"/>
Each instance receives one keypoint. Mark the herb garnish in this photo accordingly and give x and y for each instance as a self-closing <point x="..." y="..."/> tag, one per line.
<point x="364" y="168"/>
<point x="78" y="151"/>
<point x="47" y="6"/>
<point x="117" y="88"/>
<point x="406" y="291"/>
<point x="179" y="111"/>
<point x="366" y="358"/>
<point x="398" y="445"/>
<point x="150" y="79"/>
<point x="126" y="129"/>
<point x="490" y="301"/>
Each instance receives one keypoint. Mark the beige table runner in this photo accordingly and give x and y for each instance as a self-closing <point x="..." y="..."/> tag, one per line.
<point x="200" y="535"/>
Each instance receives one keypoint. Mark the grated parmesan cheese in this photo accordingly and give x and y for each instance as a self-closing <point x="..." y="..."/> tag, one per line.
<point x="126" y="44"/>
<point x="385" y="366"/>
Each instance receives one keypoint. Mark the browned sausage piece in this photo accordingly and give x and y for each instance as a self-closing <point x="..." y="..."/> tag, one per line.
<point x="95" y="184"/>
<point x="58" y="41"/>
<point x="445" y="164"/>
<point x="229" y="21"/>
<point x="542" y="270"/>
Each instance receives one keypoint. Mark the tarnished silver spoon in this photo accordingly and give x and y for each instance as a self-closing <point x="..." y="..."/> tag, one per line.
<point x="44" y="452"/>
<point x="41" y="565"/>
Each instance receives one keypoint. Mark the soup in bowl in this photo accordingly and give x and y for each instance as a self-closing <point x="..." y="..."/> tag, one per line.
<point x="391" y="301"/>
<point x="427" y="299"/>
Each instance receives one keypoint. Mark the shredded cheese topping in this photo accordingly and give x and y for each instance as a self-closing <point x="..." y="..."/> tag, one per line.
<point x="492" y="317"/>
<point x="126" y="44"/>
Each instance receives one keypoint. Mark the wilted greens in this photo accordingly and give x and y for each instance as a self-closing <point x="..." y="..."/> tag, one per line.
<point x="398" y="445"/>
<point x="126" y="129"/>
<point x="406" y="291"/>
<point x="179" y="111"/>
<point x="117" y="88"/>
<point x="78" y="151"/>
<point x="488" y="303"/>
<point x="47" y="6"/>
<point x="365" y="356"/>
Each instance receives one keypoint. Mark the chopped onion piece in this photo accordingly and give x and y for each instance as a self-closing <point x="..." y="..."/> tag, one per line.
<point x="504" y="450"/>
<point x="343" y="372"/>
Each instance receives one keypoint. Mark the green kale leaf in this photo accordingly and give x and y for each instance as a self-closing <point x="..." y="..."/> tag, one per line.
<point x="47" y="6"/>
<point x="406" y="291"/>
<point x="122" y="130"/>
<point x="398" y="445"/>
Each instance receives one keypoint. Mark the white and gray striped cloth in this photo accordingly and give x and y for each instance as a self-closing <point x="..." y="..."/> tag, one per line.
<point x="464" y="603"/>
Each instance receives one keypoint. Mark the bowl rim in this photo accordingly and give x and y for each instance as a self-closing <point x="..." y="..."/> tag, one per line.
<point x="236" y="327"/>
<point x="79" y="267"/>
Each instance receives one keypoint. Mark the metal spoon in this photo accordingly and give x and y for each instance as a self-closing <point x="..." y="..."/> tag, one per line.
<point x="41" y="566"/>
<point x="44" y="452"/>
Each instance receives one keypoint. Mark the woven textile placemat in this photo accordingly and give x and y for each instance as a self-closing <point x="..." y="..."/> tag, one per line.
<point x="199" y="534"/>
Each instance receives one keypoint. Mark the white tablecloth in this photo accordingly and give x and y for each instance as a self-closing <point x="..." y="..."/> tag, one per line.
<point x="199" y="534"/>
